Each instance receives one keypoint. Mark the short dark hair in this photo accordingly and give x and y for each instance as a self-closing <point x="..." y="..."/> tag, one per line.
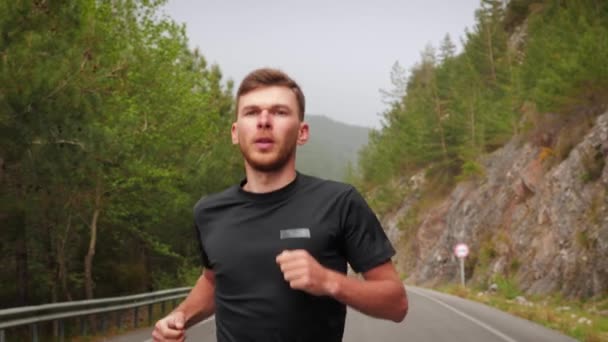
<point x="266" y="77"/>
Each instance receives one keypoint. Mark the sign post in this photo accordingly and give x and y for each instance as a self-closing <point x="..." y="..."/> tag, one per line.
<point x="461" y="251"/>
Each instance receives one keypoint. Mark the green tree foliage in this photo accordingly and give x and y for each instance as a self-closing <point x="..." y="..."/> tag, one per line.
<point x="566" y="54"/>
<point x="111" y="129"/>
<point x="456" y="107"/>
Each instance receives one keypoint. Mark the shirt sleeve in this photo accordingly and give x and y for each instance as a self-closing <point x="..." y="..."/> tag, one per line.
<point x="365" y="242"/>
<point x="204" y="257"/>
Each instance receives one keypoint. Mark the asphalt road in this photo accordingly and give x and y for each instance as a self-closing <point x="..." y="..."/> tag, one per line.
<point x="433" y="316"/>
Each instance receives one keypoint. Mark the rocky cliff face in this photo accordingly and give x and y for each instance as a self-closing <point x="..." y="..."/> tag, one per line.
<point x="544" y="224"/>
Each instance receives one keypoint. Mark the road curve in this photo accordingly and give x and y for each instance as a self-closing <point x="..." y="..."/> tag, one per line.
<point x="433" y="316"/>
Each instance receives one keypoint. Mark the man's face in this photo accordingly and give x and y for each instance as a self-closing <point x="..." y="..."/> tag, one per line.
<point x="268" y="128"/>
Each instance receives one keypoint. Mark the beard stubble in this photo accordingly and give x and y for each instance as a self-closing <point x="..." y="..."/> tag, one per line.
<point x="285" y="152"/>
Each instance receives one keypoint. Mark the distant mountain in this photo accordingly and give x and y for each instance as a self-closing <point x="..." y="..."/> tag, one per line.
<point x="332" y="145"/>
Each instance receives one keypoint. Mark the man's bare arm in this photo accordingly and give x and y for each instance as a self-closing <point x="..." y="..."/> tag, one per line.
<point x="380" y="294"/>
<point x="197" y="306"/>
<point x="200" y="302"/>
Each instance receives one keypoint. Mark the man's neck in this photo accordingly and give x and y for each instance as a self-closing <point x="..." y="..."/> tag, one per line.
<point x="262" y="182"/>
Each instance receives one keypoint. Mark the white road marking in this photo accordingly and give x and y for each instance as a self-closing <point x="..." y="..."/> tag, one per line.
<point x="210" y="319"/>
<point x="472" y="319"/>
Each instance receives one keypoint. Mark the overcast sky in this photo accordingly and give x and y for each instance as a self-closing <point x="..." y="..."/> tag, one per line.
<point x="339" y="51"/>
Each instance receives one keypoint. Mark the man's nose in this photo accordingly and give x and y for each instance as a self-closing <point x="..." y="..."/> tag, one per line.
<point x="265" y="119"/>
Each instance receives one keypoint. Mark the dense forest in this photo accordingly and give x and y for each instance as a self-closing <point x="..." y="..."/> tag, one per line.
<point x="522" y="67"/>
<point x="111" y="129"/>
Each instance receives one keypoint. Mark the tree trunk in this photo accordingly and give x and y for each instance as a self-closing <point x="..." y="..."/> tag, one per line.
<point x="514" y="91"/>
<point x="62" y="276"/>
<point x="22" y="267"/>
<point x="148" y="264"/>
<point x="88" y="259"/>
<point x="491" y="53"/>
<point x="473" y="125"/>
<point x="438" y="113"/>
<point x="51" y="267"/>
<point x="51" y="259"/>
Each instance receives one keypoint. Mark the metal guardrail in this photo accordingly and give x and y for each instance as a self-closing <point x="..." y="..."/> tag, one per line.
<point x="58" y="312"/>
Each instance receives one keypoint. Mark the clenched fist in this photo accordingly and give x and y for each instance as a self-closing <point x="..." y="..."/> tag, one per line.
<point x="303" y="272"/>
<point x="170" y="329"/>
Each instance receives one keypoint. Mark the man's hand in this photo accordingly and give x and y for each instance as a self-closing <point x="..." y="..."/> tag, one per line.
<point x="304" y="273"/>
<point x="171" y="328"/>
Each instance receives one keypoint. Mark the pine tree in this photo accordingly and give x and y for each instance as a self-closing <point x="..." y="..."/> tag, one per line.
<point x="447" y="49"/>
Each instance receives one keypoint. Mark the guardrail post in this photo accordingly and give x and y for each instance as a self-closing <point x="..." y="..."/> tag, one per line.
<point x="150" y="307"/>
<point x="117" y="317"/>
<point x="2" y="337"/>
<point x="83" y="326"/>
<point x="135" y="316"/>
<point x="55" y="329"/>
<point x="34" y="327"/>
<point x="61" y="331"/>
<point x="104" y="323"/>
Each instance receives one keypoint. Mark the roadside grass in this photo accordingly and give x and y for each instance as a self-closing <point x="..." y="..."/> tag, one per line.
<point x="581" y="320"/>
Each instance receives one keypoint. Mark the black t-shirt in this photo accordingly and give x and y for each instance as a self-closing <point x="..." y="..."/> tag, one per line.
<point x="241" y="234"/>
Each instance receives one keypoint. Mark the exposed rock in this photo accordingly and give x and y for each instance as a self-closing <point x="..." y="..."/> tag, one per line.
<point x="584" y="320"/>
<point x="417" y="181"/>
<point x="546" y="228"/>
<point x="521" y="300"/>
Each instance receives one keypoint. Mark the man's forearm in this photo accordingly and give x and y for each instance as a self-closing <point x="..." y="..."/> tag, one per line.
<point x="379" y="298"/>
<point x="199" y="304"/>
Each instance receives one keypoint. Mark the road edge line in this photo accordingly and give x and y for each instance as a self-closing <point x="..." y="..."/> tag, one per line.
<point x="470" y="318"/>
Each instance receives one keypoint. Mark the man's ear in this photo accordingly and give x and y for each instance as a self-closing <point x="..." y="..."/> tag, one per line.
<point x="235" y="134"/>
<point x="303" y="133"/>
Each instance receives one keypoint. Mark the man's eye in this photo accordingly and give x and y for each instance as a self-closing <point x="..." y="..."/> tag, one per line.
<point x="250" y="112"/>
<point x="281" y="112"/>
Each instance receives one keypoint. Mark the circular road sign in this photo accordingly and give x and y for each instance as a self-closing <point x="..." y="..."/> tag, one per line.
<point x="461" y="250"/>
